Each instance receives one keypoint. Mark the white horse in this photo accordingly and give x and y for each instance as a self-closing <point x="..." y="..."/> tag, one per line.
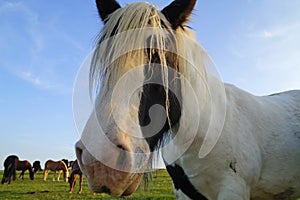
<point x="217" y="141"/>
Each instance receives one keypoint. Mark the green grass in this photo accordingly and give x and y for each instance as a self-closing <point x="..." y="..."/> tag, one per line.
<point x="159" y="188"/>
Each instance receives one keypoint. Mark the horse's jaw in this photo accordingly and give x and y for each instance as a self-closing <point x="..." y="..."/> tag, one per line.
<point x="105" y="179"/>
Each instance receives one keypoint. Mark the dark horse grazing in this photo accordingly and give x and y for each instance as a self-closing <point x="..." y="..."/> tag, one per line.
<point x="71" y="163"/>
<point x="154" y="90"/>
<point x="36" y="166"/>
<point x="10" y="166"/>
<point x="24" y="165"/>
<point x="72" y="179"/>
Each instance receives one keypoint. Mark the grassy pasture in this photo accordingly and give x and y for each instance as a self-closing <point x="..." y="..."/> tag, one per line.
<point x="159" y="188"/>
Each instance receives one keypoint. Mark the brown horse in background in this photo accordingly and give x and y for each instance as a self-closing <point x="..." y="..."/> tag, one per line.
<point x="23" y="165"/>
<point x="36" y="166"/>
<point x="57" y="167"/>
<point x="72" y="179"/>
<point x="71" y="163"/>
<point x="10" y="166"/>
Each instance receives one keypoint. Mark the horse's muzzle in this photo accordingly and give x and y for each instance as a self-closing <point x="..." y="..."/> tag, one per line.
<point x="110" y="179"/>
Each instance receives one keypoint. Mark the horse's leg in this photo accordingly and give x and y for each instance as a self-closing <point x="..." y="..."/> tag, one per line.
<point x="80" y="183"/>
<point x="22" y="174"/>
<point x="73" y="181"/>
<point x="3" y="179"/>
<point x="45" y="174"/>
<point x="234" y="188"/>
<point x="14" y="172"/>
<point x="9" y="176"/>
<point x="54" y="175"/>
<point x="58" y="175"/>
<point x="66" y="174"/>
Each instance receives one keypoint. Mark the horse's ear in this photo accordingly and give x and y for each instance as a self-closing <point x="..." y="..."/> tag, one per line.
<point x="178" y="12"/>
<point x="106" y="7"/>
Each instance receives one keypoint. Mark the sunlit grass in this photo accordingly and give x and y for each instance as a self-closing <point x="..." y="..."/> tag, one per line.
<point x="159" y="188"/>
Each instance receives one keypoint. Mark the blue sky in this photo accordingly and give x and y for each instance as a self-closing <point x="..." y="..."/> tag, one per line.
<point x="254" y="44"/>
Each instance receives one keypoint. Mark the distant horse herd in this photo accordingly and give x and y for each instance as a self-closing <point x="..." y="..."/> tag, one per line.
<point x="12" y="164"/>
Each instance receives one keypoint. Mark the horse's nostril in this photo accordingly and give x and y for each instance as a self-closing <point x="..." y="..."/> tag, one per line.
<point x="122" y="156"/>
<point x="121" y="147"/>
<point x="105" y="190"/>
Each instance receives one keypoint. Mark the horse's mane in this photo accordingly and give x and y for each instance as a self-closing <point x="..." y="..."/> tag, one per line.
<point x="64" y="165"/>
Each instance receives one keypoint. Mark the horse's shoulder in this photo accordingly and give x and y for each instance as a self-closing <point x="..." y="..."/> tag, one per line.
<point x="182" y="183"/>
<point x="237" y="97"/>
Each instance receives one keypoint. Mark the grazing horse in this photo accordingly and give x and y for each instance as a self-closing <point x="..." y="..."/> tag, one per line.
<point x="10" y="166"/>
<point x="154" y="89"/>
<point x="72" y="179"/>
<point x="57" y="167"/>
<point x="71" y="163"/>
<point x="66" y="161"/>
<point x="24" y="165"/>
<point x="37" y="166"/>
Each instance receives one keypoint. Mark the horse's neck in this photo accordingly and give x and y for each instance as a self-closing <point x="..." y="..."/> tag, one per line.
<point x="201" y="122"/>
<point x="206" y="103"/>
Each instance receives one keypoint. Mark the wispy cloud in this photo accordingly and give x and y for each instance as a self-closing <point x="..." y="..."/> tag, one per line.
<point x="35" y="80"/>
<point x="9" y="5"/>
<point x="42" y="83"/>
<point x="276" y="31"/>
<point x="39" y="62"/>
<point x="18" y="7"/>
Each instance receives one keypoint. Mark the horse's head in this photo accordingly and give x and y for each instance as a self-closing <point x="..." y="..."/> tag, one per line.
<point x="37" y="166"/>
<point x="139" y="97"/>
<point x="31" y="173"/>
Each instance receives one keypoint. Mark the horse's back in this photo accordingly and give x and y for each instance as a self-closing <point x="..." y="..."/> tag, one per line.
<point x="76" y="168"/>
<point x="281" y="167"/>
<point x="55" y="165"/>
<point x="11" y="159"/>
<point x="23" y="164"/>
<point x="10" y="163"/>
<point x="50" y="164"/>
<point x="273" y="125"/>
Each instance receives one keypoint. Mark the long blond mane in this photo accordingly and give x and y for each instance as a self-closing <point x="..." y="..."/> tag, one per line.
<point x="126" y="34"/>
